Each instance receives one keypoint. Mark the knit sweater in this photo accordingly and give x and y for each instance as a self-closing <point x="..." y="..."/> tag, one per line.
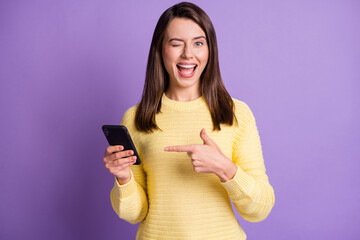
<point x="170" y="199"/>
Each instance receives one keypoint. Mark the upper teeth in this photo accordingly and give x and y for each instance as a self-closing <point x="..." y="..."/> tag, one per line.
<point x="187" y="66"/>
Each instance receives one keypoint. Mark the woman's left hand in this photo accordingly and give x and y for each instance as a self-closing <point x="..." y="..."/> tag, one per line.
<point x="207" y="158"/>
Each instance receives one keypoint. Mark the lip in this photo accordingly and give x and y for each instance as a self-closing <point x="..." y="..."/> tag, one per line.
<point x="187" y="75"/>
<point x="186" y="63"/>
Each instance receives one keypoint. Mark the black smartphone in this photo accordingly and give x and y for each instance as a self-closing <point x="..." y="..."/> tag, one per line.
<point x="119" y="135"/>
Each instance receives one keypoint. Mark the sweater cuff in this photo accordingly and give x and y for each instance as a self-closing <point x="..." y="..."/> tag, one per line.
<point x="240" y="183"/>
<point x="127" y="189"/>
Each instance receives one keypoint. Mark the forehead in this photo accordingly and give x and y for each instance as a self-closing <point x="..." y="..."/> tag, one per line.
<point x="183" y="28"/>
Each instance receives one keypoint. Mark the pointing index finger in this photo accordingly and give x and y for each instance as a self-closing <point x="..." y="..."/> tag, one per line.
<point x="179" y="148"/>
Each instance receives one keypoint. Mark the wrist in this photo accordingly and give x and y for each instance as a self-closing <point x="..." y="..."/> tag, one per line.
<point x="228" y="172"/>
<point x="123" y="181"/>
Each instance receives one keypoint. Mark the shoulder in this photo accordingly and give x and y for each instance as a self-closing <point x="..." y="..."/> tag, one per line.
<point x="245" y="120"/>
<point x="128" y="118"/>
<point x="242" y="111"/>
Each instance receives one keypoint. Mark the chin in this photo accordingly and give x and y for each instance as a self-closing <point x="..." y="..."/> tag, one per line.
<point x="186" y="83"/>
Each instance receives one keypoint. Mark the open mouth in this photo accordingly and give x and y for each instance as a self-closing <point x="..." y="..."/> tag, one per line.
<point x="186" y="70"/>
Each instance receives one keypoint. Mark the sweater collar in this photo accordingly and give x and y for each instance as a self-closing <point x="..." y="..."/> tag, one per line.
<point x="178" y="105"/>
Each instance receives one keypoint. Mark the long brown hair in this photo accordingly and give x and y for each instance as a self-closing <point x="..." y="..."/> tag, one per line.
<point x="212" y="87"/>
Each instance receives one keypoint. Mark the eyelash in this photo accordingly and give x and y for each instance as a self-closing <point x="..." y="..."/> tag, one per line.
<point x="195" y="44"/>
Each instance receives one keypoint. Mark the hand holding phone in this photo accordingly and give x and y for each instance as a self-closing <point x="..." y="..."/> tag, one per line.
<point x="121" y="153"/>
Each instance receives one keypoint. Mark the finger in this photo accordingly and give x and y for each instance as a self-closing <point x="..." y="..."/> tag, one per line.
<point x="122" y="154"/>
<point x="198" y="169"/>
<point x="123" y="162"/>
<point x="111" y="149"/>
<point x="197" y="163"/>
<point x="116" y="170"/>
<point x="206" y="139"/>
<point x="118" y="155"/>
<point x="179" y="148"/>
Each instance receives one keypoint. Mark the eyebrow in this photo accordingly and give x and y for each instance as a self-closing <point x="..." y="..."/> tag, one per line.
<point x="178" y="39"/>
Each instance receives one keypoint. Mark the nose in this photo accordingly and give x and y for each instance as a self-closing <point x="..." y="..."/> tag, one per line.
<point x="187" y="52"/>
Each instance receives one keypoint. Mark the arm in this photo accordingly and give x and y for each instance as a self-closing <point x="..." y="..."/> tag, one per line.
<point x="250" y="189"/>
<point x="129" y="200"/>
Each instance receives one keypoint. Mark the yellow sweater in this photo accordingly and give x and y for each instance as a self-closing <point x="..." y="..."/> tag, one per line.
<point x="170" y="199"/>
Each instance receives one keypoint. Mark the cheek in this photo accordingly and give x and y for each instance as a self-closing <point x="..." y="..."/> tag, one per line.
<point x="169" y="57"/>
<point x="203" y="57"/>
<point x="202" y="54"/>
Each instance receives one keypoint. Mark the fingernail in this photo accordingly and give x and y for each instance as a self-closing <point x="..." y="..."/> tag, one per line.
<point x="166" y="149"/>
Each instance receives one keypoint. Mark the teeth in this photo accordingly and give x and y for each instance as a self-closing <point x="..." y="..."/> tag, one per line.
<point x="187" y="66"/>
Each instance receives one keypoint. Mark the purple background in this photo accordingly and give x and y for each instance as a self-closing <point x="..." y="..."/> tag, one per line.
<point x="67" y="67"/>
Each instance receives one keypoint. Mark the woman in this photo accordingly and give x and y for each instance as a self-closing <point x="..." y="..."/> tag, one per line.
<point x="199" y="147"/>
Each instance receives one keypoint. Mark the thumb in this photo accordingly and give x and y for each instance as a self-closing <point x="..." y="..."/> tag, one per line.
<point x="207" y="140"/>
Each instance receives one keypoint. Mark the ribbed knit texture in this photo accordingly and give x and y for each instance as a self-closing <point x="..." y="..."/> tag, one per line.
<point x="170" y="199"/>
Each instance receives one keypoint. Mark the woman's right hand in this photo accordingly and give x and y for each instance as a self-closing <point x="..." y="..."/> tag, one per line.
<point x="118" y="162"/>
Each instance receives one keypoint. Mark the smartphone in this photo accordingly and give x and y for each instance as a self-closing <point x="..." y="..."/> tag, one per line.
<point x="119" y="135"/>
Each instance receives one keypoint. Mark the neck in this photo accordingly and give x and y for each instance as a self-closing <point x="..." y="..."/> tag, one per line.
<point x="182" y="95"/>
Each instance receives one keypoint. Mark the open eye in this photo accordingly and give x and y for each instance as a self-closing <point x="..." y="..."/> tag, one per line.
<point x="199" y="44"/>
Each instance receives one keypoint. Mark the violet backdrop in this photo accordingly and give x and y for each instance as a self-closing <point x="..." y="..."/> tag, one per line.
<point x="68" y="67"/>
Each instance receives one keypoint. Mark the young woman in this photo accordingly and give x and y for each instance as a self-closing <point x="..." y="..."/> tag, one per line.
<point x="199" y="147"/>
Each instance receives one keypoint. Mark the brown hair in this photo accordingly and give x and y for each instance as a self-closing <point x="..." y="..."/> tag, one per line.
<point x="212" y="87"/>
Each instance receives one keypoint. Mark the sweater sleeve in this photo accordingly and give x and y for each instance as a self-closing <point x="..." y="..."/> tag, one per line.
<point x="250" y="190"/>
<point x="129" y="200"/>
